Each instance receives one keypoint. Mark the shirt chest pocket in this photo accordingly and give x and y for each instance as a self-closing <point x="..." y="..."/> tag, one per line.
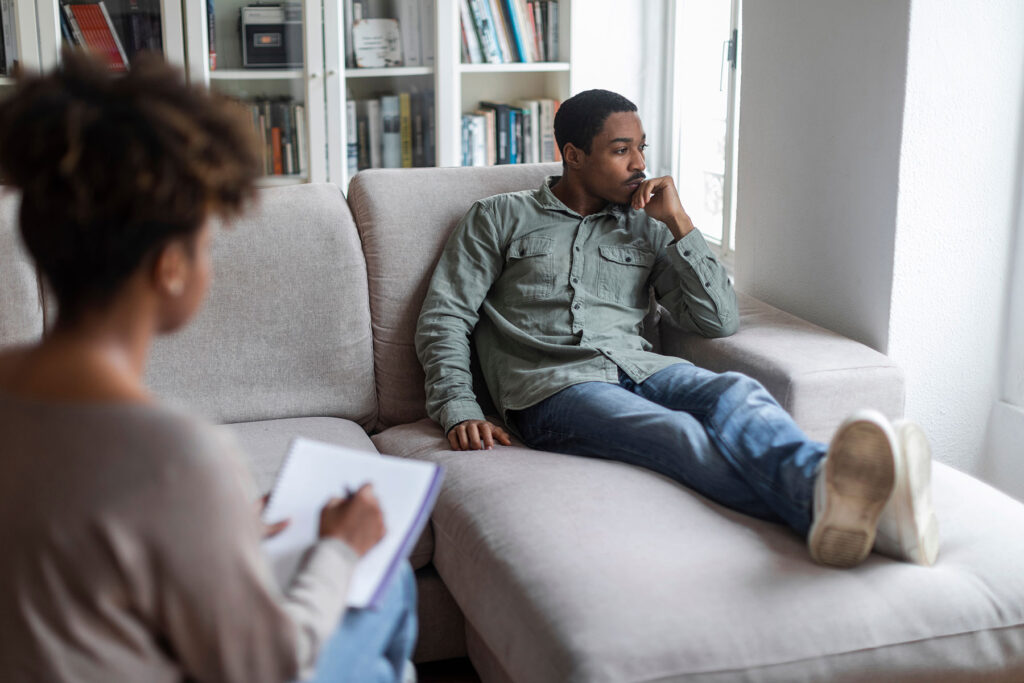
<point x="529" y="269"/>
<point x="624" y="274"/>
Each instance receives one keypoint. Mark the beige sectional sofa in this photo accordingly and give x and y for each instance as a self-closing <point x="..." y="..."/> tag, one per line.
<point x="544" y="567"/>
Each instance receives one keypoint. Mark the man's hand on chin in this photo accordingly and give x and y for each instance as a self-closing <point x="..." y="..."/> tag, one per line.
<point x="659" y="199"/>
<point x="476" y="435"/>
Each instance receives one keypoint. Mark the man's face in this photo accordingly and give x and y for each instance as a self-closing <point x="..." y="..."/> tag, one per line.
<point x="615" y="166"/>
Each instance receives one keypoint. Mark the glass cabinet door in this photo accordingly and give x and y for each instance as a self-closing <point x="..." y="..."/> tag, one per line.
<point x="117" y="30"/>
<point x="270" y="58"/>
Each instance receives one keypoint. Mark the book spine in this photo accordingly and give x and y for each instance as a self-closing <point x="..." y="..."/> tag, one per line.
<point x="547" y="126"/>
<point x="300" y="139"/>
<point x="429" y="130"/>
<point x="112" y="34"/>
<point x="464" y="142"/>
<point x="405" y="128"/>
<point x="469" y="33"/>
<point x="10" y="43"/>
<point x="552" y="29"/>
<point x="409" y="29"/>
<point x="418" y="120"/>
<point x="276" y="150"/>
<point x="390" y="131"/>
<point x="211" y="30"/>
<point x="515" y="134"/>
<point x="349" y="19"/>
<point x="478" y="139"/>
<point x="76" y="30"/>
<point x="485" y="29"/>
<point x="351" y="137"/>
<point x="533" y="15"/>
<point x="517" y="29"/>
<point x="554" y="110"/>
<point x="508" y="53"/>
<point x="374" y="127"/>
<point x="428" y="33"/>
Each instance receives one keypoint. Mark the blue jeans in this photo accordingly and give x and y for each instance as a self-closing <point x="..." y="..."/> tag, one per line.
<point x="373" y="645"/>
<point x="722" y="435"/>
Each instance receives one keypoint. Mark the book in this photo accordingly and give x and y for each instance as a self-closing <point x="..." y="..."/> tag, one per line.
<point x="210" y="27"/>
<point x="428" y="31"/>
<point x="485" y="29"/>
<point x="351" y="137"/>
<point x="501" y="130"/>
<point x="300" y="138"/>
<point x="377" y="43"/>
<point x="374" y="133"/>
<point x="508" y="53"/>
<point x="405" y="128"/>
<point x="469" y="34"/>
<point x="517" y="30"/>
<point x="8" y="44"/>
<point x="93" y="28"/>
<point x="313" y="472"/>
<point x="409" y="26"/>
<point x="429" y="129"/>
<point x="390" y="132"/>
<point x="551" y="29"/>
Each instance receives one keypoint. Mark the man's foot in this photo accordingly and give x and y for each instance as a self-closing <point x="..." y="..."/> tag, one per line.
<point x="907" y="529"/>
<point x="854" y="483"/>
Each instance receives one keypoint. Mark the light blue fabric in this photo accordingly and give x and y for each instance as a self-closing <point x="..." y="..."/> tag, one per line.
<point x="373" y="645"/>
<point x="722" y="435"/>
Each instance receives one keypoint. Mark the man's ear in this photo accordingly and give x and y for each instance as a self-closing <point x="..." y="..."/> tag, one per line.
<point x="170" y="269"/>
<point x="572" y="155"/>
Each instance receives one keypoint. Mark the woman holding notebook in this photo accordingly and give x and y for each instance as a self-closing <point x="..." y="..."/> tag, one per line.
<point x="131" y="543"/>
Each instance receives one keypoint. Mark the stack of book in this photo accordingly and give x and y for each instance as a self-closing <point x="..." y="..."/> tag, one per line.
<point x="504" y="31"/>
<point x="394" y="131"/>
<point x="415" y="20"/>
<point x="281" y="124"/>
<point x="521" y="133"/>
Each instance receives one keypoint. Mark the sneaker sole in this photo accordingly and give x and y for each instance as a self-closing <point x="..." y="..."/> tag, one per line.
<point x="919" y="541"/>
<point x="859" y="478"/>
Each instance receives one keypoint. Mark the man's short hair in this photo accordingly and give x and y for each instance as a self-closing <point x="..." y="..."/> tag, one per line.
<point x="112" y="168"/>
<point x="581" y="117"/>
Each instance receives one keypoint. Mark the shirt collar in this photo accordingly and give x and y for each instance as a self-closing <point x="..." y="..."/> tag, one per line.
<point x="547" y="199"/>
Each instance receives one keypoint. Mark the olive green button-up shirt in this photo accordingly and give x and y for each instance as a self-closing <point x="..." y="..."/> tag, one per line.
<point x="553" y="299"/>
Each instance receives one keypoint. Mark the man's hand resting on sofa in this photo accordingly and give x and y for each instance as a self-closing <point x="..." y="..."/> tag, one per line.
<point x="475" y="435"/>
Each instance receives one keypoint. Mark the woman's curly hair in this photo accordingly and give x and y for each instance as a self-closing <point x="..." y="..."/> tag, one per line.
<point x="112" y="168"/>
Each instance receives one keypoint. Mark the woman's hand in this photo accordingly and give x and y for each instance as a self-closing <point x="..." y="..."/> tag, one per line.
<point x="356" y="520"/>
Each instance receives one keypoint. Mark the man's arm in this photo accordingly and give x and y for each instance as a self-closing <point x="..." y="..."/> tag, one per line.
<point x="688" y="280"/>
<point x="472" y="260"/>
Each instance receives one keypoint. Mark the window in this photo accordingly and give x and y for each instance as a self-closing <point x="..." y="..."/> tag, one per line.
<point x="704" y="86"/>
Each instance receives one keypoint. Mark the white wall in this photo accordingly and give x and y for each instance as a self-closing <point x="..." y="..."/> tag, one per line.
<point x="958" y="194"/>
<point x="621" y="47"/>
<point x="821" y="106"/>
<point x="878" y="157"/>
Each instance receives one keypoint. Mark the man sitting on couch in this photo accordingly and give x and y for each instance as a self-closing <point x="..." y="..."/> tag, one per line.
<point x="555" y="283"/>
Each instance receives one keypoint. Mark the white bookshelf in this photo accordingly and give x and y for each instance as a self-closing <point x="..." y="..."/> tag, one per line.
<point x="323" y="84"/>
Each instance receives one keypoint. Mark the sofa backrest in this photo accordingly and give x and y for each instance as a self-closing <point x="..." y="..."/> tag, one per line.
<point x="285" y="331"/>
<point x="404" y="217"/>
<point x="21" y="312"/>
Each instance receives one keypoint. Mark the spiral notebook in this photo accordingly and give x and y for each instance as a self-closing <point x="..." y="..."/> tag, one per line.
<point x="313" y="472"/>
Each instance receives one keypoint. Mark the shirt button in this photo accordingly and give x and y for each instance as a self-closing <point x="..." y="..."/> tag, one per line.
<point x="576" y="307"/>
<point x="575" y="280"/>
<point x="686" y="253"/>
<point x="576" y="248"/>
<point x="707" y="284"/>
<point x="628" y="260"/>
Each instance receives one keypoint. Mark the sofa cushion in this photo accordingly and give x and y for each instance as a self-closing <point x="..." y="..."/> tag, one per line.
<point x="572" y="569"/>
<point x="21" y="315"/>
<point x="801" y="364"/>
<point x="404" y="218"/>
<point x="265" y="444"/>
<point x="286" y="329"/>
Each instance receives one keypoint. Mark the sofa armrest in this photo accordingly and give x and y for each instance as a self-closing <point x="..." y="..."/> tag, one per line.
<point x="818" y="376"/>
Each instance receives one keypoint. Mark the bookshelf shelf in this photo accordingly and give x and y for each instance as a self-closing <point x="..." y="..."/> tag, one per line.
<point x="393" y="71"/>
<point x="514" y="67"/>
<point x="6" y="80"/>
<point x="254" y="75"/>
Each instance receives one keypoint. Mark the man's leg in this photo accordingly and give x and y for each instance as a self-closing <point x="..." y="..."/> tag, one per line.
<point x="608" y="421"/>
<point x="373" y="645"/>
<point x="750" y="430"/>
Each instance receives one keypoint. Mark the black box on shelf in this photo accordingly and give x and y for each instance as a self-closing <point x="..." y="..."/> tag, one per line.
<point x="271" y="36"/>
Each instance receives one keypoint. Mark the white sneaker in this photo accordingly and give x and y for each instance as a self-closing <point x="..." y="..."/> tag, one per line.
<point x="907" y="529"/>
<point x="854" y="483"/>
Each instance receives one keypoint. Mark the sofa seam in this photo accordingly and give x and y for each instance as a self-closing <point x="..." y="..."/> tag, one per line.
<point x="886" y="646"/>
